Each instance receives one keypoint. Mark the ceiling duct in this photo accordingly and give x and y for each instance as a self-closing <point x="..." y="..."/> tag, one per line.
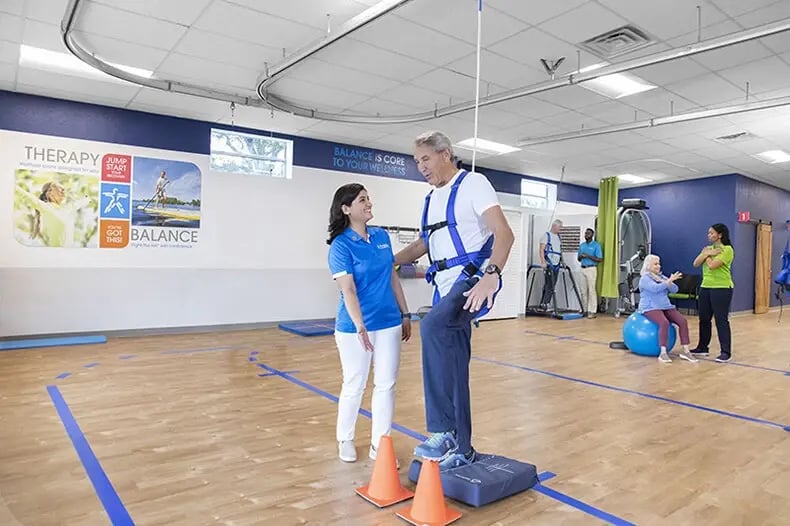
<point x="617" y="42"/>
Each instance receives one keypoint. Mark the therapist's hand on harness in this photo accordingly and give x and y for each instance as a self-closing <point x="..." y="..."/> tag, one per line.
<point x="482" y="291"/>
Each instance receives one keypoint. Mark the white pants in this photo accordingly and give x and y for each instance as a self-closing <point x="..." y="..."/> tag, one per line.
<point x="590" y="277"/>
<point x="355" y="361"/>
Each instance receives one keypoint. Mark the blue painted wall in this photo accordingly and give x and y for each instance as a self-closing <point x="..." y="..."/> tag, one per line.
<point x="48" y="116"/>
<point x="682" y="212"/>
<point x="769" y="204"/>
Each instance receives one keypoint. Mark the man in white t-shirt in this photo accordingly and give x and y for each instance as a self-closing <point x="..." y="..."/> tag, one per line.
<point x="468" y="241"/>
<point x="550" y="259"/>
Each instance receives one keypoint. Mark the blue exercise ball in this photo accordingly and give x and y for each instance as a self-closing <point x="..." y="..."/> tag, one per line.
<point x="641" y="335"/>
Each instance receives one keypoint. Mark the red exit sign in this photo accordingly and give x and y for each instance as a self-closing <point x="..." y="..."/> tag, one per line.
<point x="743" y="217"/>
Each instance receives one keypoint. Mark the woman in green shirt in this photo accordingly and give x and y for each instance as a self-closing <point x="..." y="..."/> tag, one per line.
<point x="715" y="294"/>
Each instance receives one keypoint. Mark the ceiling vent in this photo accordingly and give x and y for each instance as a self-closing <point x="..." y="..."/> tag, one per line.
<point x="617" y="42"/>
<point x="734" y="137"/>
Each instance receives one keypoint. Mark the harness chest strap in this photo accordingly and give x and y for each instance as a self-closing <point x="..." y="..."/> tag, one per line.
<point x="471" y="260"/>
<point x="550" y="250"/>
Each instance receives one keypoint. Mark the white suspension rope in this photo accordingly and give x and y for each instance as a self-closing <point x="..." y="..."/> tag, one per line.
<point x="477" y="80"/>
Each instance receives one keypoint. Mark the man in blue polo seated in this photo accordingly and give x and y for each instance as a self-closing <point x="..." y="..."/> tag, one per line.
<point x="590" y="255"/>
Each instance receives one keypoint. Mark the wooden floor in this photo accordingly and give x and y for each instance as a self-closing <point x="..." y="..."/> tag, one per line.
<point x="188" y="432"/>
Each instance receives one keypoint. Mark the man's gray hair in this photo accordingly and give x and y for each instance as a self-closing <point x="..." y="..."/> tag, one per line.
<point x="436" y="140"/>
<point x="557" y="222"/>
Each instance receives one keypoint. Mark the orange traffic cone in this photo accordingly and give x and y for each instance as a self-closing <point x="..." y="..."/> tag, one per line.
<point x="429" y="508"/>
<point x="385" y="488"/>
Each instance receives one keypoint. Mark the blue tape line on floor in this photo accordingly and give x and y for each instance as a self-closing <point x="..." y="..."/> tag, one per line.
<point x="565" y="499"/>
<point x="104" y="488"/>
<point x="630" y="391"/>
<point x="90" y="365"/>
<point x="193" y="351"/>
<point x="63" y="375"/>
<point x="590" y="510"/>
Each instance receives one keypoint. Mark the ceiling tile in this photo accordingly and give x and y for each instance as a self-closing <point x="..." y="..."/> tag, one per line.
<point x="7" y="75"/>
<point x="423" y="43"/>
<point x="208" y="73"/>
<point x="734" y="55"/>
<point x="532" y="45"/>
<point x="325" y="74"/>
<point x="416" y="96"/>
<point x="456" y="87"/>
<point x="530" y="106"/>
<point x="50" y="11"/>
<point x="497" y="70"/>
<point x="770" y="13"/>
<point x="242" y="23"/>
<point x="362" y="56"/>
<point x="182" y="13"/>
<point x="87" y="89"/>
<point x="739" y="7"/>
<point x="122" y="25"/>
<point x="706" y="90"/>
<point x="572" y="97"/>
<point x="659" y="102"/>
<point x="315" y="96"/>
<point x="534" y="12"/>
<point x="13" y="7"/>
<point x="118" y="52"/>
<point x="149" y="99"/>
<point x="221" y="48"/>
<point x="11" y="27"/>
<point x="665" y="19"/>
<point x="582" y="23"/>
<point x="671" y="71"/>
<point x="9" y="52"/>
<point x="762" y="75"/>
<point x="613" y="112"/>
<point x="459" y="19"/>
<point x="309" y="12"/>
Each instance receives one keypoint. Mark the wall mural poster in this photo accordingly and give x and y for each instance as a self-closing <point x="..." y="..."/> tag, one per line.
<point x="77" y="196"/>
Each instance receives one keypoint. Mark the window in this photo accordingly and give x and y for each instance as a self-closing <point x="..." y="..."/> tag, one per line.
<point x="243" y="153"/>
<point x="535" y="194"/>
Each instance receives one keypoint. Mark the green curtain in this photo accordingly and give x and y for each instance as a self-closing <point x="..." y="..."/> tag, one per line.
<point x="608" y="272"/>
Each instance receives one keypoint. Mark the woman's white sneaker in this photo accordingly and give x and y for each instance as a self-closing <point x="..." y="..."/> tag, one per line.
<point x="347" y="451"/>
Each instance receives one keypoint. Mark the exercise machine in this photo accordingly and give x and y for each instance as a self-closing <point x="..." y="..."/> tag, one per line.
<point x="636" y="236"/>
<point x="563" y="306"/>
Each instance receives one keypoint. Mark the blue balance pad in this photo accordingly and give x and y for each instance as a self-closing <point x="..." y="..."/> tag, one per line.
<point x="8" y="345"/>
<point x="309" y="327"/>
<point x="490" y="478"/>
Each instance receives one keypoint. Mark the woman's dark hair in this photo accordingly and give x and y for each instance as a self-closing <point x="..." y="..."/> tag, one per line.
<point x="338" y="221"/>
<point x="724" y="232"/>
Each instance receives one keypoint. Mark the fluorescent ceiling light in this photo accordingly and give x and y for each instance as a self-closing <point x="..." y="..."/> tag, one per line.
<point x="628" y="178"/>
<point x="39" y="58"/>
<point x="484" y="146"/>
<point x="773" y="156"/>
<point x="617" y="85"/>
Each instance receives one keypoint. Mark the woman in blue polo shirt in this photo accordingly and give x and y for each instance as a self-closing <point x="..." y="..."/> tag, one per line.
<point x="372" y="315"/>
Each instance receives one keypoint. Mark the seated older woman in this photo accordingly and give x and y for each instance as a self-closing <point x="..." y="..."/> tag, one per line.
<point x="654" y="304"/>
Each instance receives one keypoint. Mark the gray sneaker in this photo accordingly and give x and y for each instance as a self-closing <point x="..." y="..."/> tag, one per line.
<point x="664" y="357"/>
<point x="687" y="356"/>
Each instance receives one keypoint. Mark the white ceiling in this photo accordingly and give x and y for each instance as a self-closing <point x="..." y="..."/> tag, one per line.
<point x="422" y="56"/>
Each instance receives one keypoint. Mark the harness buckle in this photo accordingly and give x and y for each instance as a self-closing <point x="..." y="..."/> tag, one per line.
<point x="441" y="264"/>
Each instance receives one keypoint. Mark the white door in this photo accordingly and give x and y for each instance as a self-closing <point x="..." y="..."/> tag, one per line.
<point x="509" y="298"/>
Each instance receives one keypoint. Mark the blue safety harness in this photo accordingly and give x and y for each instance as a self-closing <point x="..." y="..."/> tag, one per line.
<point x="549" y="250"/>
<point x="472" y="261"/>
